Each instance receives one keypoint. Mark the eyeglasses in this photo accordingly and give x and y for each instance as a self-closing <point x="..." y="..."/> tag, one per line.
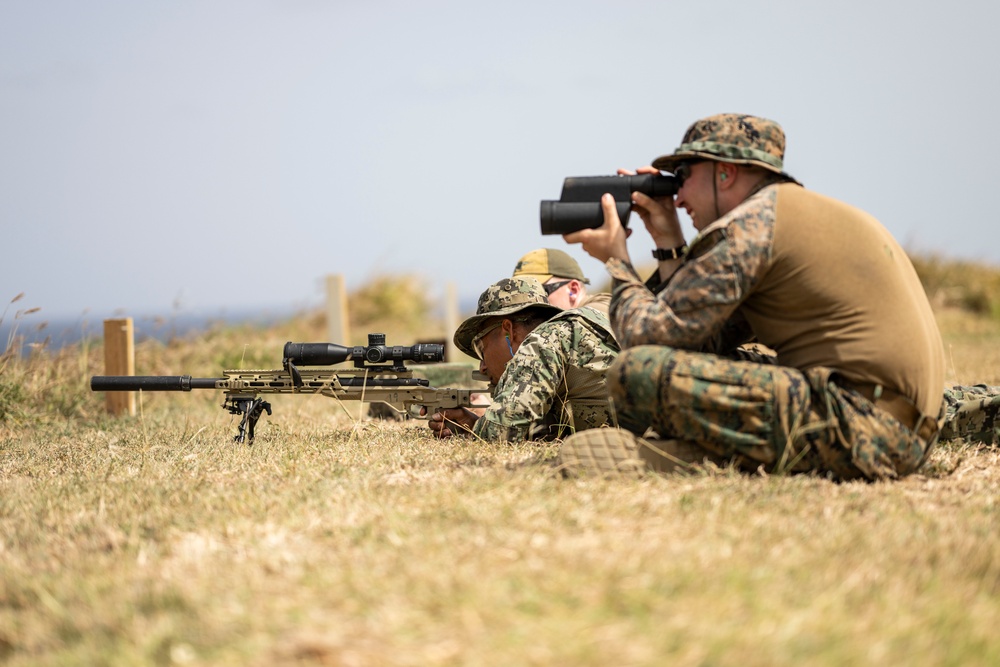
<point x="682" y="171"/>
<point x="477" y="341"/>
<point x="552" y="287"/>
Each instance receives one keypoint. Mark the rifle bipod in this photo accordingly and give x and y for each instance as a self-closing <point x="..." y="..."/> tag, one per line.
<point x="251" y="409"/>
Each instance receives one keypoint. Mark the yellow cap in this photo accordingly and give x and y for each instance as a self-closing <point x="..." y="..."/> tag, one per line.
<point x="547" y="263"/>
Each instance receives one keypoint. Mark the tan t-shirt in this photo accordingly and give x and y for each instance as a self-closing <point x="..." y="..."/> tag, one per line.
<point x="860" y="309"/>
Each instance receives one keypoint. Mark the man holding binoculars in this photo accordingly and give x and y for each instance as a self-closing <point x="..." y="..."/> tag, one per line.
<point x="854" y="387"/>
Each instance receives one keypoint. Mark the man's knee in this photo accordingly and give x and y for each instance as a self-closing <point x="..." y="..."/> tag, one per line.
<point x="637" y="373"/>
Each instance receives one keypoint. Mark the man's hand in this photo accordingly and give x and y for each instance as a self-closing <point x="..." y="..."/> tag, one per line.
<point x="606" y="241"/>
<point x="659" y="215"/>
<point x="480" y="403"/>
<point x="452" y="421"/>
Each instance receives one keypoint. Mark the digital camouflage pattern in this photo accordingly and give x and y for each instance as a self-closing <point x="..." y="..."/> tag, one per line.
<point x="503" y="298"/>
<point x="972" y="414"/>
<point x="731" y="137"/>
<point x="759" y="415"/>
<point x="600" y="302"/>
<point x="556" y="382"/>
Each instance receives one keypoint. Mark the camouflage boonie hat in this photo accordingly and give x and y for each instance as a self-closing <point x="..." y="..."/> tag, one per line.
<point x="547" y="263"/>
<point x="504" y="297"/>
<point x="731" y="137"/>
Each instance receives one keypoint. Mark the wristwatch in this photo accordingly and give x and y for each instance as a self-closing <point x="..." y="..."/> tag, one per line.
<point x="670" y="253"/>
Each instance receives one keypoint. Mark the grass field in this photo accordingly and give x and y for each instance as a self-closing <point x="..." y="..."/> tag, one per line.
<point x="339" y="541"/>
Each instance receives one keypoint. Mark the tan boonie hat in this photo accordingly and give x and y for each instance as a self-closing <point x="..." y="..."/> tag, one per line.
<point x="547" y="263"/>
<point x="504" y="297"/>
<point x="731" y="137"/>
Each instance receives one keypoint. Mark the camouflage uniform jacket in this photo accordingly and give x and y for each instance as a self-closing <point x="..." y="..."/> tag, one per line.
<point x="555" y="383"/>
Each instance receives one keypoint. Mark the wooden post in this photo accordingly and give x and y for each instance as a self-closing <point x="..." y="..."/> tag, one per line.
<point x="451" y="353"/>
<point x="119" y="359"/>
<point x="336" y="310"/>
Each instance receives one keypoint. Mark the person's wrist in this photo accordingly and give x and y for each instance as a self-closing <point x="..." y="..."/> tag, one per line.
<point x="620" y="253"/>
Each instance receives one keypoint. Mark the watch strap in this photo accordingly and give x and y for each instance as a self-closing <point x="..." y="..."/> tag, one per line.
<point x="670" y="253"/>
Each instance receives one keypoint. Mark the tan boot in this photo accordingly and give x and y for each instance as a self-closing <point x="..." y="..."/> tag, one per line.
<point x="616" y="452"/>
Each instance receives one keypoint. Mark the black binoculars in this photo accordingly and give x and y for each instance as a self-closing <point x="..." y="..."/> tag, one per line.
<point x="579" y="205"/>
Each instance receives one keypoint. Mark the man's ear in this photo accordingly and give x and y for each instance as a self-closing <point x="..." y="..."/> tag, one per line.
<point x="573" y="289"/>
<point x="513" y="331"/>
<point x="726" y="174"/>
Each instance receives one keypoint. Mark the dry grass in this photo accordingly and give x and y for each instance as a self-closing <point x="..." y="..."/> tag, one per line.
<point x="331" y="543"/>
<point x="337" y="541"/>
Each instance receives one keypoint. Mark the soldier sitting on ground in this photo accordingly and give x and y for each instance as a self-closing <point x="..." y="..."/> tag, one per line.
<point x="856" y="387"/>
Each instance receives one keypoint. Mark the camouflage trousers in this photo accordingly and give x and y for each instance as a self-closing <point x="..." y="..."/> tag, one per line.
<point x="972" y="414"/>
<point x="756" y="413"/>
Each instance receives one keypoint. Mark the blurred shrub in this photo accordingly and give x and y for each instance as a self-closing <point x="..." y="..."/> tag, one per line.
<point x="968" y="286"/>
<point x="396" y="305"/>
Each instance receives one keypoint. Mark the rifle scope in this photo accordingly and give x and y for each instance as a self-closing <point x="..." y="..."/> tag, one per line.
<point x="376" y="352"/>
<point x="579" y="204"/>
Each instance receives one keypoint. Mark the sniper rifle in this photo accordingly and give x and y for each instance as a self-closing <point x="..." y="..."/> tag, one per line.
<point x="379" y="375"/>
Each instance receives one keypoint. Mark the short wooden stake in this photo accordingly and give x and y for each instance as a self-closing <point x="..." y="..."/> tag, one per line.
<point x="119" y="359"/>
<point x="336" y="310"/>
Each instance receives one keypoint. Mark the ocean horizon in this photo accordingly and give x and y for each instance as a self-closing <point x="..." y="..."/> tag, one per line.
<point x="53" y="333"/>
<point x="34" y="330"/>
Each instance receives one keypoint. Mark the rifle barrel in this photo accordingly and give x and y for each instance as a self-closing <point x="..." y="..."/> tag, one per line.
<point x="150" y="383"/>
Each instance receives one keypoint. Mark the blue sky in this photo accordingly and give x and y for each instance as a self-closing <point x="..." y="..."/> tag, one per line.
<point x="160" y="157"/>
